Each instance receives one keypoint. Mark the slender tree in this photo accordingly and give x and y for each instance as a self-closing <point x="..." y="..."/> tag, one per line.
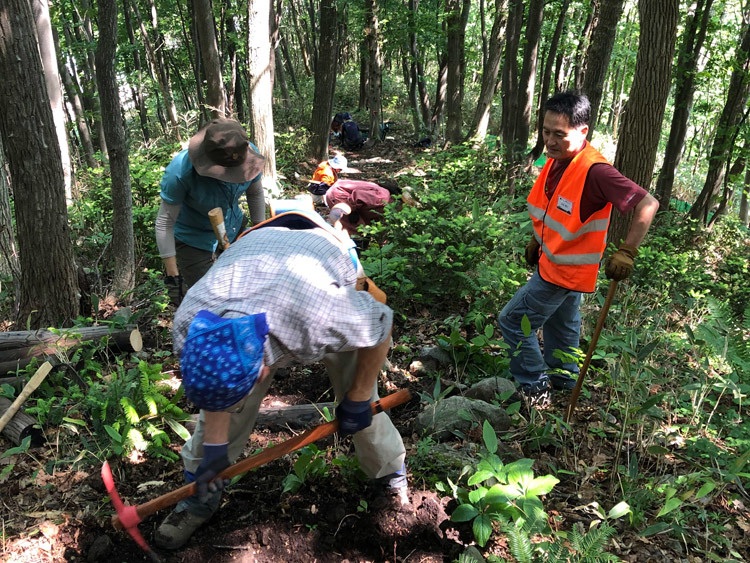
<point x="9" y="264"/>
<point x="48" y="272"/>
<point x="527" y="79"/>
<point x="509" y="87"/>
<point x="375" y="90"/>
<point x="122" y="246"/>
<point x="325" y="82"/>
<point x="454" y="52"/>
<point x="209" y="49"/>
<point x="641" y="124"/>
<point x="598" y="56"/>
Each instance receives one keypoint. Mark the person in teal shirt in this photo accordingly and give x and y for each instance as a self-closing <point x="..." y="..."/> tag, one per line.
<point x="219" y="165"/>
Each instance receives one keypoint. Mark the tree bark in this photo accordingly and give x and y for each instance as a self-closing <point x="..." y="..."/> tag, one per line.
<point x="123" y="245"/>
<point x="641" y="125"/>
<point x="325" y="82"/>
<point x="510" y="74"/>
<point x="137" y="88"/>
<point x="9" y="265"/>
<point x="374" y="92"/>
<point x="481" y="120"/>
<point x="687" y="62"/>
<point x="745" y="200"/>
<point x="546" y="79"/>
<point x="206" y="28"/>
<point x="598" y="56"/>
<point x="583" y="44"/>
<point x="48" y="273"/>
<point x="259" y="83"/>
<point x="52" y="79"/>
<point x="527" y="79"/>
<point x="290" y="66"/>
<point x="454" y="47"/>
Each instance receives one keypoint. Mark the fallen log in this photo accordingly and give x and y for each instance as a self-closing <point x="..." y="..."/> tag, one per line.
<point x="277" y="418"/>
<point x="19" y="348"/>
<point x="20" y="426"/>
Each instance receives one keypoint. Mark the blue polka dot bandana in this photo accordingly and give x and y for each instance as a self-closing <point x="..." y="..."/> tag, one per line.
<point x="222" y="358"/>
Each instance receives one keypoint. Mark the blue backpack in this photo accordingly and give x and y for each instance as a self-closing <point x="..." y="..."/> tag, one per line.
<point x="351" y="138"/>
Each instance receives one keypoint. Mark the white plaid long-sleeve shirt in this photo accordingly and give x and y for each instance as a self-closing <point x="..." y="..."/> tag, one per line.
<point x="305" y="283"/>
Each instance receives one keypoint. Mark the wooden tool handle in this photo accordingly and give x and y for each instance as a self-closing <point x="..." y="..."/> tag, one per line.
<point x="263" y="457"/>
<point x="216" y="216"/>
<point x="28" y="389"/>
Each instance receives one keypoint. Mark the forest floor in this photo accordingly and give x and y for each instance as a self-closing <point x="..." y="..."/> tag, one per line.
<point x="65" y="516"/>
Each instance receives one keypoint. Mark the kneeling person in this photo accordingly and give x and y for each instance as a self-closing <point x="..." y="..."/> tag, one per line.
<point x="276" y="296"/>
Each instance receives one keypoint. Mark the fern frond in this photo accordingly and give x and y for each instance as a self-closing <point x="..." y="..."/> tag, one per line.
<point x="519" y="542"/>
<point x="591" y="545"/>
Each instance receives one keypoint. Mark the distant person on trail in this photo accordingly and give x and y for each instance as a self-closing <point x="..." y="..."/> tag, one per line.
<point x="351" y="136"/>
<point x="570" y="206"/>
<point x="326" y="174"/>
<point x="281" y="293"/>
<point x="219" y="165"/>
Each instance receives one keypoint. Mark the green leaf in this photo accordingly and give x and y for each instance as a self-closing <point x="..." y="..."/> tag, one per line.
<point x="114" y="434"/>
<point x="479" y="477"/>
<point x="541" y="485"/>
<point x="650" y="402"/>
<point x="21" y="448"/>
<point x="707" y="487"/>
<point x="669" y="506"/>
<point x="6" y="470"/>
<point x="489" y="436"/>
<point x="619" y="510"/>
<point x="655" y="529"/>
<point x="464" y="513"/>
<point x="526" y="326"/>
<point x="657" y="450"/>
<point x="489" y="330"/>
<point x="482" y="527"/>
<point x="178" y="428"/>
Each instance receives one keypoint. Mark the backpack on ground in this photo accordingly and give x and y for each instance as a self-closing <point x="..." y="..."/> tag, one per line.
<point x="351" y="137"/>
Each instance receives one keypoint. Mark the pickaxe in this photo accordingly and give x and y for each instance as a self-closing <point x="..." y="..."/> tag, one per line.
<point x="129" y="516"/>
<point x="590" y="353"/>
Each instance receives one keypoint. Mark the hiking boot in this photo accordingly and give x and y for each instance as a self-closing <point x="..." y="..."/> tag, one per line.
<point x="537" y="395"/>
<point x="395" y="485"/>
<point x="177" y="528"/>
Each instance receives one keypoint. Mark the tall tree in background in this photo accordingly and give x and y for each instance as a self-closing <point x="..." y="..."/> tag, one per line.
<point x="527" y="79"/>
<point x="40" y="9"/>
<point x="209" y="49"/>
<point x="375" y="67"/>
<point x="454" y="51"/>
<point x="122" y="245"/>
<point x="727" y="127"/>
<point x="642" y="120"/>
<point x="509" y="86"/>
<point x="9" y="262"/>
<point x="478" y="128"/>
<point x="259" y="72"/>
<point x="598" y="56"/>
<point x="325" y="81"/>
<point x="687" y="63"/>
<point x="536" y="151"/>
<point x="48" y="273"/>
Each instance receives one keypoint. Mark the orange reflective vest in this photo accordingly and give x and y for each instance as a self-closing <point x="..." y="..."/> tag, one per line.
<point x="324" y="173"/>
<point x="571" y="250"/>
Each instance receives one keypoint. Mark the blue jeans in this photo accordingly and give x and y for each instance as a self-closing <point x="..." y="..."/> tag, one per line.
<point x="552" y="308"/>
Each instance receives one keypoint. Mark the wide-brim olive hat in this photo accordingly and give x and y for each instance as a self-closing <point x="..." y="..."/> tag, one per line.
<point x="222" y="150"/>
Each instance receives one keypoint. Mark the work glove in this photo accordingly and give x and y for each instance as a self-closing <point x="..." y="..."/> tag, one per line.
<point x="353" y="416"/>
<point x="620" y="263"/>
<point x="174" y="289"/>
<point x="532" y="252"/>
<point x="215" y="460"/>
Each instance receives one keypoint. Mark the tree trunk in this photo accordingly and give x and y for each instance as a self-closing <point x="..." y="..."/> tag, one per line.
<point x="52" y="79"/>
<point x="9" y="264"/>
<point x="453" y="50"/>
<point x="729" y="181"/>
<point x="325" y="82"/>
<point x="641" y="125"/>
<point x="598" y="56"/>
<point x="441" y="87"/>
<point x="726" y="128"/>
<point x="259" y="83"/>
<point x="206" y="28"/>
<point x="481" y="120"/>
<point x="418" y="89"/>
<point x="290" y="66"/>
<point x="282" y="79"/>
<point x="687" y="62"/>
<point x="510" y="74"/>
<point x="302" y="39"/>
<point x="546" y="79"/>
<point x="122" y="246"/>
<point x="583" y="44"/>
<point x="137" y="89"/>
<point x="374" y="92"/>
<point x="745" y="200"/>
<point x="48" y="273"/>
<point x="527" y="79"/>
<point x="364" y="76"/>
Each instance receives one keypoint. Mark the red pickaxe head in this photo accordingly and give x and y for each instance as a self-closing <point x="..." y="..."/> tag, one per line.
<point x="127" y="515"/>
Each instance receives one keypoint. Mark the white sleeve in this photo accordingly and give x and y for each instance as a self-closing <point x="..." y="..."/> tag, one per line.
<point x="165" y="221"/>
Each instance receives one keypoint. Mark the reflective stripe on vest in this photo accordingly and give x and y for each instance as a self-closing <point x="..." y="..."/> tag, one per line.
<point x="571" y="250"/>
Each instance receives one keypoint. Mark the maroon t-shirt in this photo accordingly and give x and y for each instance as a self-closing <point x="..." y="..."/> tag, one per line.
<point x="603" y="185"/>
<point x="366" y="199"/>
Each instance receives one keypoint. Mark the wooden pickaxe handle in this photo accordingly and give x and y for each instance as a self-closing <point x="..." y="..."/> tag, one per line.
<point x="261" y="458"/>
<point x="28" y="389"/>
<point x="216" y="216"/>
<point x="592" y="346"/>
